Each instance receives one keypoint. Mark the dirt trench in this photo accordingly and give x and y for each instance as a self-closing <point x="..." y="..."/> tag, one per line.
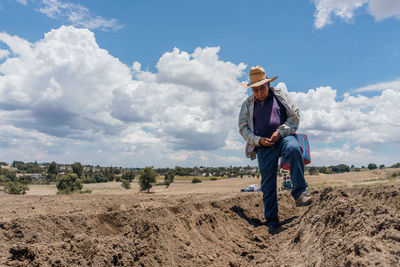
<point x="353" y="227"/>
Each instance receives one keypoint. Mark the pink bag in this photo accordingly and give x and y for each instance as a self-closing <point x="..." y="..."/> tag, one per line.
<point x="303" y="141"/>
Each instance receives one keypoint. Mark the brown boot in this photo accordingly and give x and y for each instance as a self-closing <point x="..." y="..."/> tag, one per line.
<point x="303" y="200"/>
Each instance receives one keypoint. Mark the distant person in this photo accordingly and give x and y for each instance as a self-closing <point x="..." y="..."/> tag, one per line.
<point x="267" y="122"/>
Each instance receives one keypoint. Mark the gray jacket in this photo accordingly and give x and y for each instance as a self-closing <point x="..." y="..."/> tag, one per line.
<point x="246" y="126"/>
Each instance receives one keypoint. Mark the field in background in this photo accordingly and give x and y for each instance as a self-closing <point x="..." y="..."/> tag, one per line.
<point x="184" y="185"/>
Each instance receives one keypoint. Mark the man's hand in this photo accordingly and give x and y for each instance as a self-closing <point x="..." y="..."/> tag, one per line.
<point x="275" y="137"/>
<point x="264" y="141"/>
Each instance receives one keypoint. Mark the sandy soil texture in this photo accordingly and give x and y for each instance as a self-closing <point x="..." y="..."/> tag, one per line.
<point x="356" y="226"/>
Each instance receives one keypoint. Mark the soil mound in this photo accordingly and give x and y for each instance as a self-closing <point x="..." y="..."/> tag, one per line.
<point x="341" y="227"/>
<point x="359" y="227"/>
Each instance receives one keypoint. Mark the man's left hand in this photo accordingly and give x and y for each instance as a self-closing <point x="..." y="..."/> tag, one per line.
<point x="275" y="137"/>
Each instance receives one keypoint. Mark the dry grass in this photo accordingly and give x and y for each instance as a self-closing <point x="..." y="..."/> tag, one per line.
<point x="184" y="185"/>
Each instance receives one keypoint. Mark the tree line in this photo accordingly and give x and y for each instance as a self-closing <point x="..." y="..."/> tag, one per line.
<point x="70" y="177"/>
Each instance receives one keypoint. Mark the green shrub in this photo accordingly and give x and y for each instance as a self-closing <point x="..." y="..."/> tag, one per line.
<point x="126" y="184"/>
<point x="49" y="178"/>
<point x="68" y="184"/>
<point x="9" y="175"/>
<point x="168" y="179"/>
<point x="3" y="179"/>
<point x="89" y="180"/>
<point x="196" y="180"/>
<point x="25" y="179"/>
<point x="86" y="191"/>
<point x="15" y="188"/>
<point x="99" y="177"/>
<point x="214" y="178"/>
<point x="395" y="174"/>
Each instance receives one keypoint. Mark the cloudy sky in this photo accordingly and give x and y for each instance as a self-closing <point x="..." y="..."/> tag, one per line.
<point x="139" y="83"/>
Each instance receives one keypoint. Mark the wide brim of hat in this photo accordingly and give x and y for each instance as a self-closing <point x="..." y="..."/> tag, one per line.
<point x="262" y="82"/>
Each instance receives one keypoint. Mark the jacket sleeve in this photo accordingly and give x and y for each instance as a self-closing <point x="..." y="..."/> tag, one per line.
<point x="244" y="128"/>
<point x="293" y="117"/>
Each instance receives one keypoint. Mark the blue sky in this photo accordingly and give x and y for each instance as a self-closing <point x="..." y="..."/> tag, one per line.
<point x="157" y="82"/>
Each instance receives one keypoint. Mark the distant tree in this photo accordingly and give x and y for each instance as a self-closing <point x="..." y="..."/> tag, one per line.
<point x="99" y="177"/>
<point x="77" y="168"/>
<point x="53" y="168"/>
<point x="168" y="179"/>
<point x="67" y="184"/>
<point x="129" y="175"/>
<point x="146" y="179"/>
<point x="397" y="165"/>
<point x="382" y="166"/>
<point x="126" y="184"/>
<point x="322" y="169"/>
<point x="110" y="177"/>
<point x="329" y="171"/>
<point x="313" y="170"/>
<point x="3" y="163"/>
<point x="18" y="164"/>
<point x="340" y="168"/>
<point x="372" y="166"/>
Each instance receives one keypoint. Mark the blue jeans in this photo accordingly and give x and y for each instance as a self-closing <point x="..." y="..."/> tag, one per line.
<point x="268" y="157"/>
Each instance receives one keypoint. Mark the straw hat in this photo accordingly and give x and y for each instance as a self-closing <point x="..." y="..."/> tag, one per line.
<point x="258" y="77"/>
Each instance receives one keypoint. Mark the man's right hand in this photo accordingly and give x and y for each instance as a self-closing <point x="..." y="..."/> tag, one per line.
<point x="264" y="141"/>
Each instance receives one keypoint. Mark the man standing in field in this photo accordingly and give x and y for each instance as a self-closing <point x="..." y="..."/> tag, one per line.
<point x="267" y="122"/>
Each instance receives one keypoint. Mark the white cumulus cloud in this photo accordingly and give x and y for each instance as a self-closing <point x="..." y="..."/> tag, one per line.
<point x="345" y="9"/>
<point x="358" y="120"/>
<point x="341" y="8"/>
<point x="382" y="9"/>
<point x="353" y="156"/>
<point x="64" y="98"/>
<point x="67" y="87"/>
<point x="3" y="53"/>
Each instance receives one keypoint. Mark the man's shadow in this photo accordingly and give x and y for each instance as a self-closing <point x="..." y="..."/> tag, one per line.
<point x="253" y="221"/>
<point x="256" y="222"/>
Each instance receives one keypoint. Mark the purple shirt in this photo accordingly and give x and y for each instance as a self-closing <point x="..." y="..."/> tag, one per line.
<point x="268" y="116"/>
